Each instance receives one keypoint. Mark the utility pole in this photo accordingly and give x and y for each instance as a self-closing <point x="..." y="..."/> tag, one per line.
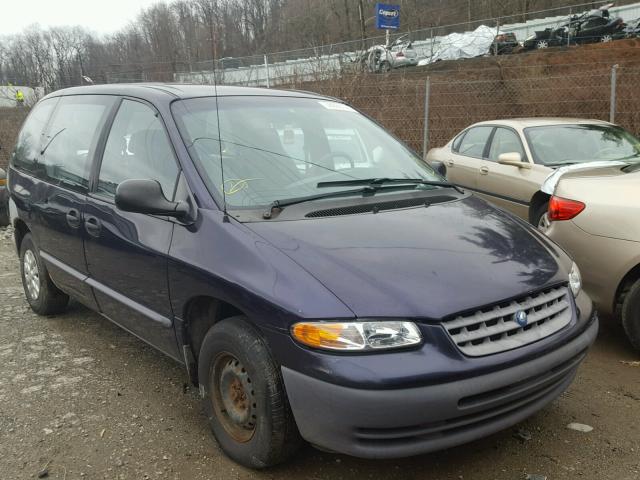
<point x="363" y="31"/>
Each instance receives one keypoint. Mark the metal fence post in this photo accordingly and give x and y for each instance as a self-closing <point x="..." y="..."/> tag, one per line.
<point x="425" y="133"/>
<point x="266" y="68"/>
<point x="612" y="104"/>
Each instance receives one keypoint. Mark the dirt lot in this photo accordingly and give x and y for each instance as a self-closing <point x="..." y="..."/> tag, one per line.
<point x="84" y="399"/>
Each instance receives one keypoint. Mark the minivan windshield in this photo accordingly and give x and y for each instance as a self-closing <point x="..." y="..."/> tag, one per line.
<point x="268" y="148"/>
<point x="557" y="145"/>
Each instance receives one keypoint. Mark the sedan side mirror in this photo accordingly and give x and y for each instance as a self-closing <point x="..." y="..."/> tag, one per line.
<point x="145" y="196"/>
<point x="514" y="159"/>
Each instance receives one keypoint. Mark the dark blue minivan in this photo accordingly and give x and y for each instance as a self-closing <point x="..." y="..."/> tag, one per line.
<point x="315" y="277"/>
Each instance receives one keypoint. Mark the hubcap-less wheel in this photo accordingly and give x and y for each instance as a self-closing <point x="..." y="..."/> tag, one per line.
<point x="544" y="223"/>
<point x="31" y="274"/>
<point x="234" y="400"/>
<point x="542" y="44"/>
<point x="606" y="39"/>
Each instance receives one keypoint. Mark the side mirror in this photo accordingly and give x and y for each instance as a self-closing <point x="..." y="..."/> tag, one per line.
<point x="514" y="159"/>
<point x="439" y="167"/>
<point x="145" y="196"/>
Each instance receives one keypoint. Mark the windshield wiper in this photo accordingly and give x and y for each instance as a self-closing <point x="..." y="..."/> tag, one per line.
<point x="559" y="164"/>
<point x="377" y="182"/>
<point x="44" y="149"/>
<point x="370" y="190"/>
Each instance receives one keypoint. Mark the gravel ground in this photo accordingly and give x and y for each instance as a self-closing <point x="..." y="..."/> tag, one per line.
<point x="83" y="399"/>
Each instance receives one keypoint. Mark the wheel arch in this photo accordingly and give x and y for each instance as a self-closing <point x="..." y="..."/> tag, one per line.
<point x="20" y="229"/>
<point x="631" y="277"/>
<point x="539" y="198"/>
<point x="200" y="314"/>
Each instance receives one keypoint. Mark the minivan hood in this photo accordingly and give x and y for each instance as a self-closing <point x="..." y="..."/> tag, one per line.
<point x="422" y="262"/>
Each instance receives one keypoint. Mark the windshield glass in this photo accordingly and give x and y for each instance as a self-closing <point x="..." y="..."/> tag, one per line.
<point x="273" y="148"/>
<point x="566" y="144"/>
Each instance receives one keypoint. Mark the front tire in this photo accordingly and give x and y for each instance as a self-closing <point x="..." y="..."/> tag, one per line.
<point x="43" y="296"/>
<point x="630" y="314"/>
<point x="244" y="397"/>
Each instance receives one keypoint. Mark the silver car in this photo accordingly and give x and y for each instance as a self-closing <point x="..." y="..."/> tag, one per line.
<point x="382" y="58"/>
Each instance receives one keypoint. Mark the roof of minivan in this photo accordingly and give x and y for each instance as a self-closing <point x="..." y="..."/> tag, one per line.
<point x="543" y="121"/>
<point x="159" y="91"/>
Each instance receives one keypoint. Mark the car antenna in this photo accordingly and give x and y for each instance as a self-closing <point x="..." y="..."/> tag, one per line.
<point x="225" y="218"/>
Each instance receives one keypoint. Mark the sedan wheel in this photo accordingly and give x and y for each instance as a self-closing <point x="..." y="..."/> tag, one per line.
<point x="606" y="39"/>
<point x="542" y="44"/>
<point x="544" y="223"/>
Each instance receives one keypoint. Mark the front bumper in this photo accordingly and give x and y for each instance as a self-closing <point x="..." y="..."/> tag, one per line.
<point x="410" y="421"/>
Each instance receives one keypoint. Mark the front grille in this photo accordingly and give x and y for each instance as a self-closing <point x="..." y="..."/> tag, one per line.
<point x="494" y="329"/>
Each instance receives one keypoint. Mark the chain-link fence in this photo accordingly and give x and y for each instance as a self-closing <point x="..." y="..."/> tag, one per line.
<point x="454" y="101"/>
<point x="597" y="82"/>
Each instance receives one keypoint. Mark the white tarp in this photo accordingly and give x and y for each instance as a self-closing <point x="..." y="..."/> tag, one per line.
<point x="462" y="45"/>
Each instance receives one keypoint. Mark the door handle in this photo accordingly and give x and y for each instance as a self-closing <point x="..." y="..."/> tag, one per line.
<point x="450" y="163"/>
<point x="92" y="226"/>
<point x="73" y="218"/>
<point x="484" y="170"/>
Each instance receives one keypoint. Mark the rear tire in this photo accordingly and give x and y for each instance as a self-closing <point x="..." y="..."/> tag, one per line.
<point x="630" y="314"/>
<point x="43" y="296"/>
<point x="539" y="219"/>
<point x="244" y="396"/>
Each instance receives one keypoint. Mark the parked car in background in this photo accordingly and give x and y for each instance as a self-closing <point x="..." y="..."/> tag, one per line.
<point x="361" y="303"/>
<point x="632" y="30"/>
<point x="400" y="54"/>
<point x="594" y="25"/>
<point x="507" y="161"/>
<point x="504" y="44"/>
<point x="594" y="214"/>
<point x="4" y="199"/>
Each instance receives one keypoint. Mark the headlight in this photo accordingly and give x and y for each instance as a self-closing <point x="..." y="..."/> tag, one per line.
<point x="575" y="280"/>
<point x="356" y="336"/>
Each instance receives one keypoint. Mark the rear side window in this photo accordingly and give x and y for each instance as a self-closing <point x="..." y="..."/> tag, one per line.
<point x="505" y="141"/>
<point x="457" y="141"/>
<point x="137" y="148"/>
<point x="473" y="143"/>
<point x="67" y="149"/>
<point x="30" y="138"/>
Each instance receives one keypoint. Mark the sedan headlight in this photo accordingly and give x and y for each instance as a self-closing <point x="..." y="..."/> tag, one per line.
<point x="356" y="336"/>
<point x="575" y="280"/>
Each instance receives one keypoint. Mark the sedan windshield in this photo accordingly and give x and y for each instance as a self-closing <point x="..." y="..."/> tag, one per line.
<point x="266" y="149"/>
<point x="557" y="145"/>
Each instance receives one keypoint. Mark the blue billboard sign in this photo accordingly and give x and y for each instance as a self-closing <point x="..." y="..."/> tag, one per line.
<point x="387" y="16"/>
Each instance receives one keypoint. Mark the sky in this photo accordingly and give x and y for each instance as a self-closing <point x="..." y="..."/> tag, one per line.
<point x="99" y="16"/>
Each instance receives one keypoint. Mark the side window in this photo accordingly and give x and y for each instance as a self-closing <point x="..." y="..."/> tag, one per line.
<point x="505" y="141"/>
<point x="455" y="146"/>
<point x="67" y="146"/>
<point x="473" y="143"/>
<point x="30" y="138"/>
<point x="137" y="148"/>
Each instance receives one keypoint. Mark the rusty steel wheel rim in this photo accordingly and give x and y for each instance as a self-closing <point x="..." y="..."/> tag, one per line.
<point x="233" y="398"/>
